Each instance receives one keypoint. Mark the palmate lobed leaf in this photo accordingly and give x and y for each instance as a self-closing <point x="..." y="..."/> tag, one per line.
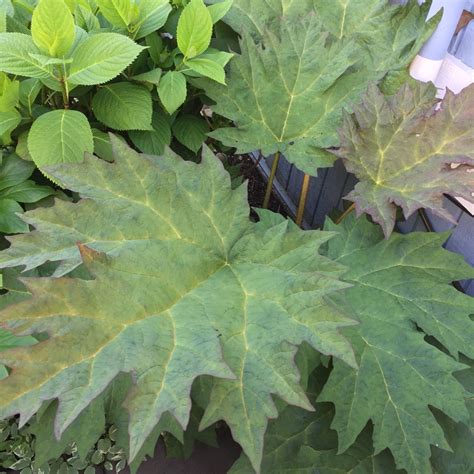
<point x="298" y="113"/>
<point x="319" y="57"/>
<point x="460" y="436"/>
<point x="302" y="442"/>
<point x="401" y="287"/>
<point x="183" y="284"/>
<point x="401" y="151"/>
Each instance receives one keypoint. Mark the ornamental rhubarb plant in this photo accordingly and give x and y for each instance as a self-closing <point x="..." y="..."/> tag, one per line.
<point x="146" y="302"/>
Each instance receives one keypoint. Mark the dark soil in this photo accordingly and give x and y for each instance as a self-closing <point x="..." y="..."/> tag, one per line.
<point x="256" y="183"/>
<point x="204" y="460"/>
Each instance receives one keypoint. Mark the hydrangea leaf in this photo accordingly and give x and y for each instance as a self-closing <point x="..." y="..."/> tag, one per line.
<point x="401" y="151"/>
<point x="314" y="72"/>
<point x="182" y="284"/>
<point x="10" y="341"/>
<point x="400" y="285"/>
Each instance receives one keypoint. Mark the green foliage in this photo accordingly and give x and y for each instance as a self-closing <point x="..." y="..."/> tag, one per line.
<point x="103" y="65"/>
<point x="400" y="286"/>
<point x="61" y="136"/>
<point x="15" y="188"/>
<point x="123" y="106"/>
<point x="314" y="73"/>
<point x="20" y="448"/>
<point x="52" y="28"/>
<point x="172" y="90"/>
<point x="154" y="141"/>
<point x="10" y="341"/>
<point x="194" y="29"/>
<point x="100" y="58"/>
<point x="401" y="150"/>
<point x="163" y="305"/>
<point x="243" y="271"/>
<point x="190" y="131"/>
<point x="300" y="441"/>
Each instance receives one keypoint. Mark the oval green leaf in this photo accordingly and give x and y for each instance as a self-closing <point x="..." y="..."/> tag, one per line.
<point x="172" y="91"/>
<point x="60" y="136"/>
<point x="124" y="106"/>
<point x="52" y="27"/>
<point x="194" y="29"/>
<point x="102" y="57"/>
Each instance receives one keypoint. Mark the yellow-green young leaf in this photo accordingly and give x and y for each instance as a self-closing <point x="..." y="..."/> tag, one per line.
<point x="123" y="106"/>
<point x="182" y="284"/>
<point x="152" y="15"/>
<point x="401" y="293"/>
<point x="119" y="13"/>
<point x="52" y="27"/>
<point x="8" y="122"/>
<point x="401" y="151"/>
<point x="60" y="136"/>
<point x="3" y="19"/>
<point x="194" y="29"/>
<point x="172" y="91"/>
<point x="207" y="67"/>
<point x="153" y="142"/>
<point x="101" y="57"/>
<point x="73" y="4"/>
<point x="219" y="10"/>
<point x="9" y="93"/>
<point x="29" y="90"/>
<point x="190" y="131"/>
<point x="15" y="56"/>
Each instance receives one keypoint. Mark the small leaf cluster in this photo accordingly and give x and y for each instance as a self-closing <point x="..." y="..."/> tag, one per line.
<point x="18" y="448"/>
<point x="73" y="70"/>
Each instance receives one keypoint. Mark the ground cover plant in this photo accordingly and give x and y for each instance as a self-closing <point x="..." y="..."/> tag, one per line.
<point x="147" y="301"/>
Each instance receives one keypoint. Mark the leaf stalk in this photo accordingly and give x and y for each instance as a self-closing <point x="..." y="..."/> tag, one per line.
<point x="303" y="198"/>
<point x="345" y="213"/>
<point x="268" y="191"/>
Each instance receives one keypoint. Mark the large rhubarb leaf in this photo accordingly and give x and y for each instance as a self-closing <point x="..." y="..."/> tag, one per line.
<point x="401" y="151"/>
<point x="389" y="34"/>
<point x="298" y="114"/>
<point x="301" y="442"/>
<point x="317" y="62"/>
<point x="181" y="284"/>
<point x="256" y="18"/>
<point x="460" y="436"/>
<point x="401" y="291"/>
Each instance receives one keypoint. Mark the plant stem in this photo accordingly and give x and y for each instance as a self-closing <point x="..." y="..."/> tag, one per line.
<point x="268" y="192"/>
<point x="303" y="197"/>
<point x="345" y="213"/>
<point x="65" y="90"/>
